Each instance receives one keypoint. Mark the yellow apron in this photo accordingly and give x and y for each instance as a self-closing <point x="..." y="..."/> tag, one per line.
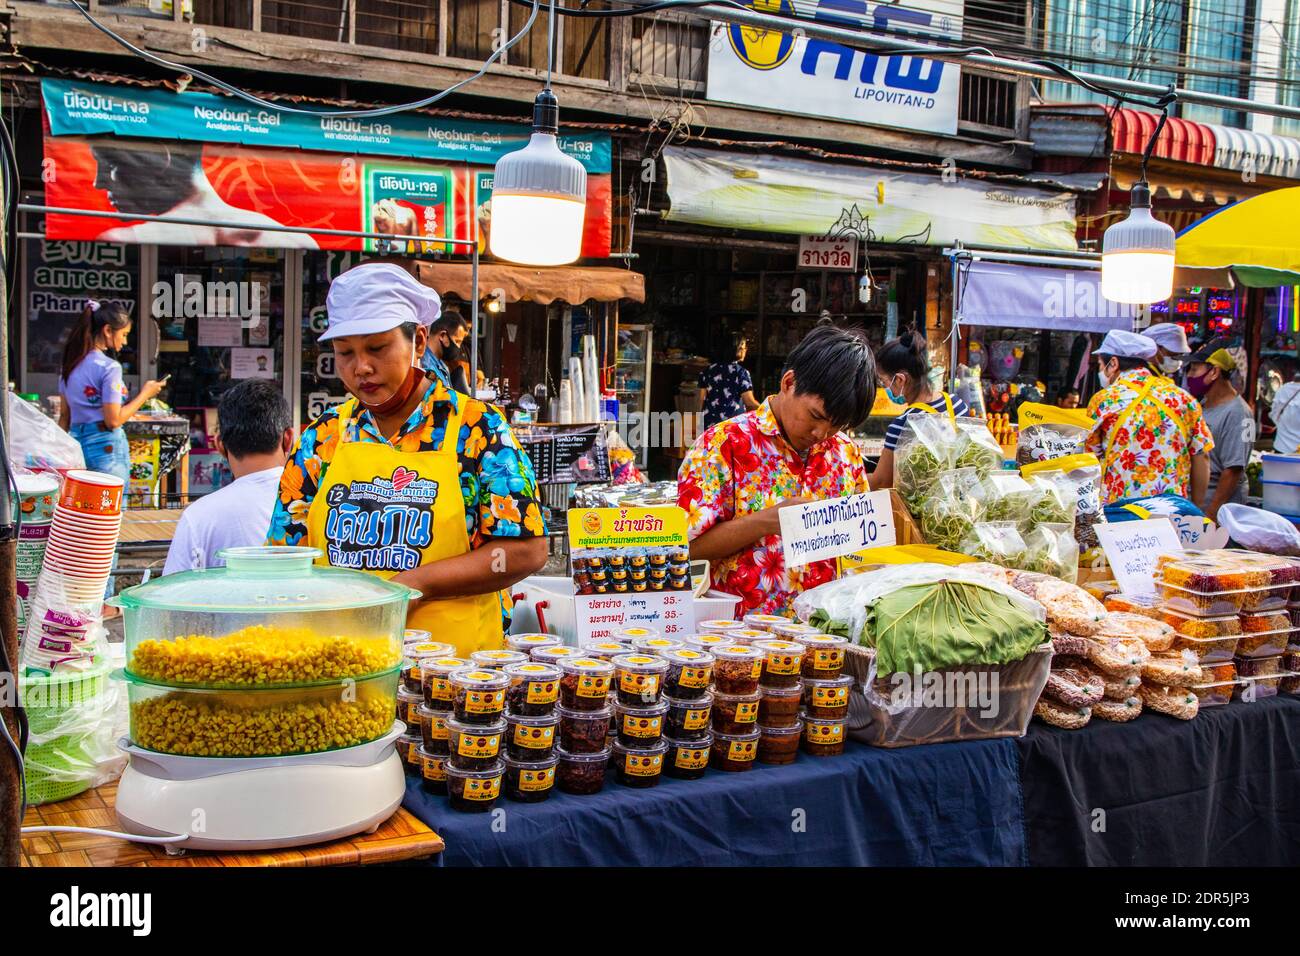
<point x="1109" y="456"/>
<point x="383" y="511"/>
<point x="926" y="407"/>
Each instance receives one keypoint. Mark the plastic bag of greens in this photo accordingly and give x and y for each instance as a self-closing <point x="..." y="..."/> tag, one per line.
<point x="1048" y="432"/>
<point x="1007" y="497"/>
<point x="950" y="508"/>
<point x="924" y="450"/>
<point x="998" y="542"/>
<point x="976" y="447"/>
<point x="1056" y="501"/>
<point x="1051" y="549"/>
<point x="1083" y="472"/>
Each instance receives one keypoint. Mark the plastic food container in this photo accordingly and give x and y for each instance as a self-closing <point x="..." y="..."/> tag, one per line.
<point x="822" y="737"/>
<point x="708" y="641"/>
<point x="687" y="759"/>
<point x="474" y="746"/>
<point x="1293" y="609"/>
<point x="474" y="791"/>
<point x="435" y="681"/>
<point x="1148" y="605"/>
<point x="736" y="669"/>
<point x="639" y="766"/>
<point x="793" y="630"/>
<point x="639" y="727"/>
<point x="584" y="683"/>
<point x="1264" y="633"/>
<point x="1200" y="603"/>
<point x="407" y="708"/>
<point x="782" y="662"/>
<point x="689" y="673"/>
<point x="688" y="719"/>
<point x="656" y="646"/>
<point x="413" y="635"/>
<point x="1290" y="665"/>
<point x="407" y="746"/>
<point x="734" y="753"/>
<point x="434" y="733"/>
<point x="735" y="713"/>
<point x="630" y="635"/>
<point x="1102" y="589"/>
<point x="527" y="643"/>
<point x="530" y="739"/>
<point x="554" y="653"/>
<point x="534" y="688"/>
<point x="605" y="650"/>
<point x="478" y="695"/>
<point x="1211" y="639"/>
<point x="529" y="781"/>
<point x="415" y="655"/>
<point x="584" y="731"/>
<point x="433" y="771"/>
<point x="765" y="622"/>
<point x="1259" y="677"/>
<point x="747" y="635"/>
<point x="779" y="706"/>
<point x="1213" y="694"/>
<point x="779" y="745"/>
<point x="823" y="657"/>
<point x="639" y="678"/>
<point x="581" y="773"/>
<point x="496" y="659"/>
<point x="717" y="626"/>
<point x="827" y="699"/>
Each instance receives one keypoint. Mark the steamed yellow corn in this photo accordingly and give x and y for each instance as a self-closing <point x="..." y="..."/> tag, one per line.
<point x="259" y="655"/>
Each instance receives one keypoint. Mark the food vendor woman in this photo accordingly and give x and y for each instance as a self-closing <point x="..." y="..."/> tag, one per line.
<point x="408" y="479"/>
<point x="742" y="471"/>
<point x="903" y="370"/>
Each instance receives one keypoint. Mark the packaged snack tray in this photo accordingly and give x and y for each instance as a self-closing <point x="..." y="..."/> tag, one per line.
<point x="1211" y="639"/>
<point x="1148" y="605"/>
<point x="1265" y="634"/>
<point x="1215" y="693"/>
<point x="1291" y="665"/>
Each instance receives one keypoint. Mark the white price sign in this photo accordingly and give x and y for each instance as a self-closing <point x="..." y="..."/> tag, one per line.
<point x="1132" y="548"/>
<point x="672" y="613"/>
<point x="837" y="527"/>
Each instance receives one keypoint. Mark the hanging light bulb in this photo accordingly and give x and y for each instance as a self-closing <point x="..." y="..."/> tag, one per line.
<point x="1137" y="254"/>
<point x="539" y="196"/>
<point x="864" y="289"/>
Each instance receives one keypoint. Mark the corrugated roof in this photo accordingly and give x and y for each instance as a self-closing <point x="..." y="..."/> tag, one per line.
<point x="1182" y="140"/>
<point x="1245" y="150"/>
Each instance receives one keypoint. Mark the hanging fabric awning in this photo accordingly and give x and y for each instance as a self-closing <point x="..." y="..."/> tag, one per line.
<point x="572" y="284"/>
<point x="1030" y="297"/>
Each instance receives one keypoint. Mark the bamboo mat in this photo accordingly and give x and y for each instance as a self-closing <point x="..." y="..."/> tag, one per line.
<point x="401" y="837"/>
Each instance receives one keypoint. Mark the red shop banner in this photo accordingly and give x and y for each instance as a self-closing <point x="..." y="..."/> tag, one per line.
<point x="258" y="187"/>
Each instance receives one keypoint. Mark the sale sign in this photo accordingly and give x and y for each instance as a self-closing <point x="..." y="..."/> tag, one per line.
<point x="832" y="529"/>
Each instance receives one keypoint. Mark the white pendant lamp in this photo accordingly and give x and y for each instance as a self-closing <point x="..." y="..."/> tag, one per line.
<point x="1137" y="255"/>
<point x="539" y="196"/>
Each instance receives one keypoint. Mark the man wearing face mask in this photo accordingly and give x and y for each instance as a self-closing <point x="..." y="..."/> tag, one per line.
<point x="1231" y="422"/>
<point x="1171" y="348"/>
<point x="1150" y="435"/>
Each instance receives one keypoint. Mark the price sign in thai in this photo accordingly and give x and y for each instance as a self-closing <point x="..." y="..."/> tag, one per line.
<point x="1132" y="548"/>
<point x="821" y="530"/>
<point x="631" y="566"/>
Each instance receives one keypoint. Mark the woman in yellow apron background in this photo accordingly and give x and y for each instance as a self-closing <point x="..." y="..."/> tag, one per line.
<point x="408" y="479"/>
<point x="903" y="374"/>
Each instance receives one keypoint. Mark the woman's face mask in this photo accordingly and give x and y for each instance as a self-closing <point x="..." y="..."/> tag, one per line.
<point x="1199" y="385"/>
<point x="1107" y="378"/>
<point x="897" y="397"/>
<point x="1170" y="365"/>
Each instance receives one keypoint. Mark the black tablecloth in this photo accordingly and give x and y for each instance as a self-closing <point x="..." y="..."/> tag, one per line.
<point x="1223" y="789"/>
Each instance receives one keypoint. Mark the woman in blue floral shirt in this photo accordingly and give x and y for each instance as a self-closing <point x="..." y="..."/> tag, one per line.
<point x="725" y="386"/>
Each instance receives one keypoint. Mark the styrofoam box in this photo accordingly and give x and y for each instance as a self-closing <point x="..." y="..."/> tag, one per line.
<point x="561" y="614"/>
<point x="1281" y="467"/>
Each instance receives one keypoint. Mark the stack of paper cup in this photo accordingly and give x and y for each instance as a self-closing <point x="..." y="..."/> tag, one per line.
<point x="69" y="594"/>
<point x="35" y="510"/>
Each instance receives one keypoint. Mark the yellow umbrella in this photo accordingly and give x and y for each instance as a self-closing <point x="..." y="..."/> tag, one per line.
<point x="1254" y="238"/>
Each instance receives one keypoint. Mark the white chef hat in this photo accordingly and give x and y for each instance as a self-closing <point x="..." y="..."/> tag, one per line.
<point x="1124" y="344"/>
<point x="1170" y="337"/>
<point x="375" y="297"/>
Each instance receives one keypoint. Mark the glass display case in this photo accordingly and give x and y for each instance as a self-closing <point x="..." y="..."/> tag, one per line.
<point x="632" y="381"/>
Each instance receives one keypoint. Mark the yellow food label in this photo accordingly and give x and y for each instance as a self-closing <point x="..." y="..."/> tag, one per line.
<point x="438" y="729"/>
<point x="642" y="726"/>
<point x="542" y="691"/>
<point x="643" y="765"/>
<point x="830" y="696"/>
<point x="478" y="745"/>
<point x="741" y="750"/>
<point x="593" y="685"/>
<point x="535" y="780"/>
<point x="484" y="701"/>
<point x="747" y="712"/>
<point x="695" y="677"/>
<point x="696" y="718"/>
<point x="824" y="733"/>
<point x="413" y="713"/>
<point x="638" y="683"/>
<point x="692" y="759"/>
<point x="483" y="789"/>
<point x="435" y="768"/>
<point x="417" y="675"/>
<point x="783" y="663"/>
<point x="535" y="737"/>
<point x="440" y="689"/>
<point x="756" y="670"/>
<point x="826" y="658"/>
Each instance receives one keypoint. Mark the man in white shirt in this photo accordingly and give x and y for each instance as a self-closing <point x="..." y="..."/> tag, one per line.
<point x="255" y="435"/>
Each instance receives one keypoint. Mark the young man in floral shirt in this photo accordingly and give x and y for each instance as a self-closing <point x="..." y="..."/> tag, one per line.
<point x="789" y="450"/>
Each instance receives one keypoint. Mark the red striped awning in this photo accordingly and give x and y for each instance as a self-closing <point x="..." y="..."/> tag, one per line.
<point x="1183" y="140"/>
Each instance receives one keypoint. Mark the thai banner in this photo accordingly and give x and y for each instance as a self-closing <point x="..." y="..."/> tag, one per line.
<point x="257" y="187"/>
<point x="75" y="108"/>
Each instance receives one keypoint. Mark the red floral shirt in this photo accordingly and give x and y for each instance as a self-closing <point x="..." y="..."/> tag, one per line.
<point x="744" y="465"/>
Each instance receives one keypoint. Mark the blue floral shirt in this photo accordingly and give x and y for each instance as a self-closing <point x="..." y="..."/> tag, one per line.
<point x="725" y="384"/>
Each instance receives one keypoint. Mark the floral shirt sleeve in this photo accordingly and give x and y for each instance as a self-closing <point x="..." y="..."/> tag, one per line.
<point x="704" y="483"/>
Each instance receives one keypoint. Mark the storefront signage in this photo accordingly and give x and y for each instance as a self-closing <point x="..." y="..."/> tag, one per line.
<point x="821" y="530"/>
<point x="1030" y="297"/>
<point x="77" y="108"/>
<point x="792" y="73"/>
<point x="819" y="252"/>
<point x="1132" y="548"/>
